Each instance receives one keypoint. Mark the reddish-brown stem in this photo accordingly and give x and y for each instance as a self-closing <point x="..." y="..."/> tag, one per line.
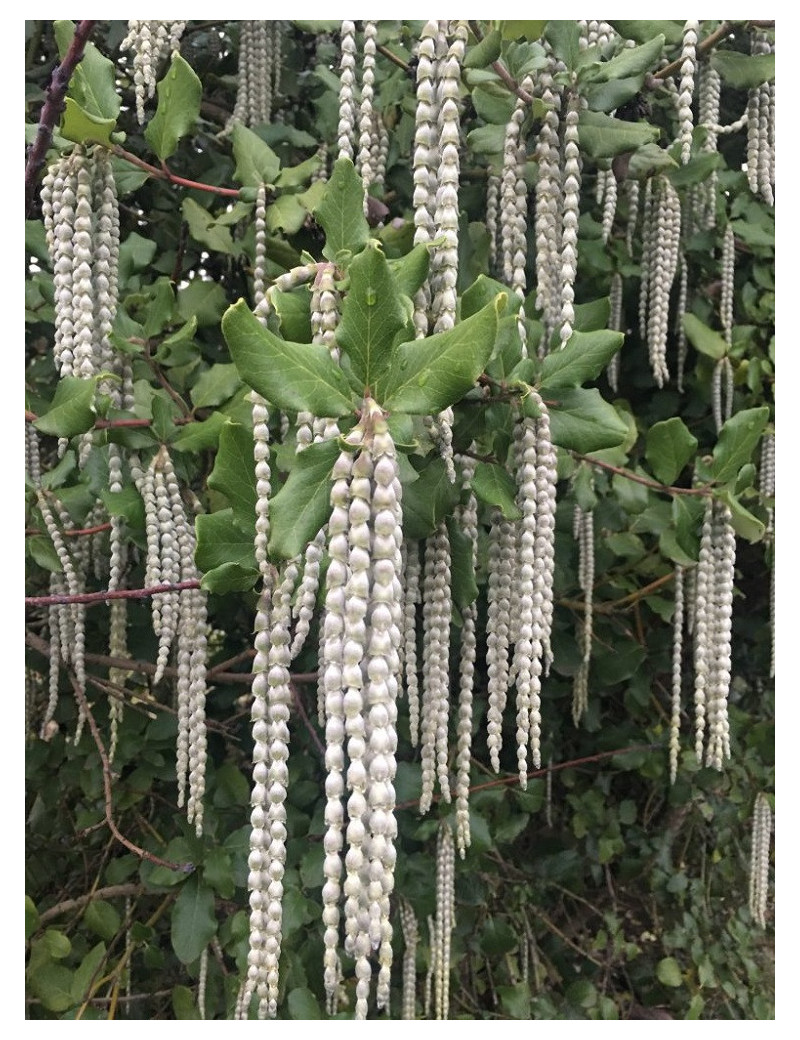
<point x="163" y="173"/>
<point x="74" y="533"/>
<point x="53" y="107"/>
<point x="120" y="424"/>
<point x="101" y="597"/>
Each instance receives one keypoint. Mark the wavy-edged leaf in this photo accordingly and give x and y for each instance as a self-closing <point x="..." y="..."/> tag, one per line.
<point x="737" y="442"/>
<point x="603" y="137"/>
<point x="256" y="163"/>
<point x="372" y="316"/>
<point x="428" y="500"/>
<point x="581" y="420"/>
<point x="234" y="471"/>
<point x="704" y="339"/>
<point x="341" y="212"/>
<point x="494" y="486"/>
<point x="225" y="553"/>
<point x="631" y="61"/>
<point x="428" y="375"/>
<point x="583" y="357"/>
<point x="302" y="506"/>
<point x="194" y="923"/>
<point x="293" y="376"/>
<point x="70" y="411"/>
<point x="179" y="95"/>
<point x="744" y="70"/>
<point x="670" y="446"/>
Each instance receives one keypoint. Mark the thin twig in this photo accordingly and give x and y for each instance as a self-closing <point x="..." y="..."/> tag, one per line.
<point x="666" y="488"/>
<point x="502" y="71"/>
<point x="80" y="696"/>
<point x="702" y="47"/>
<point x="507" y="781"/>
<point x="301" y="708"/>
<point x="101" y="597"/>
<point x="163" y="173"/>
<point x="68" y="905"/>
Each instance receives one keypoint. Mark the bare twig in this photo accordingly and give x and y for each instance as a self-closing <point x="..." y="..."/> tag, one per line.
<point x="68" y="905"/>
<point x="80" y="697"/>
<point x="101" y="597"/>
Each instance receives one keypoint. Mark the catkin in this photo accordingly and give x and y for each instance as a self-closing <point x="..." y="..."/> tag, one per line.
<point x="759" y="859"/>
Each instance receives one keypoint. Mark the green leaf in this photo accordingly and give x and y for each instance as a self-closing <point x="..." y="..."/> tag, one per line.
<point x="204" y="228"/>
<point x="464" y="587"/>
<point x="430" y="374"/>
<point x="52" y="984"/>
<point x="498" y="937"/>
<point x="410" y="271"/>
<point x="481" y="293"/>
<point x="372" y="316"/>
<point x="303" y="1005"/>
<point x="516" y="1000"/>
<point x="743" y="522"/>
<point x="293" y="376"/>
<point x="494" y="485"/>
<point x="218" y="871"/>
<point x="234" y="472"/>
<point x="670" y="446"/>
<point x="87" y="973"/>
<point x="93" y="85"/>
<point x="70" y="411"/>
<point x="704" y="339"/>
<point x="696" y="171"/>
<point x="286" y="213"/>
<point x="583" y="358"/>
<point x="646" y="30"/>
<point x="668" y="972"/>
<point x="650" y="159"/>
<point x="193" y="922"/>
<point x="79" y="126"/>
<point x="101" y="918"/>
<point x="744" y="70"/>
<point x="256" y="163"/>
<point x="302" y="506"/>
<point x="31" y="917"/>
<point x="179" y="96"/>
<point x="215" y="386"/>
<point x="341" y="212"/>
<point x="513" y="30"/>
<point x="199" y="436"/>
<point x="222" y="542"/>
<point x="428" y="500"/>
<point x="184" y="1004"/>
<point x="581" y="420"/>
<point x="294" y="176"/>
<point x="41" y="549"/>
<point x="565" y="39"/>
<point x="602" y="136"/>
<point x="737" y="441"/>
<point x="631" y="61"/>
<point x="484" y="53"/>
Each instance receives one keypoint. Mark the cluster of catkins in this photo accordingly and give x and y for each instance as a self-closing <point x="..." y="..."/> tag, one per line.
<point x="81" y="217"/>
<point x="760" y="842"/>
<point x="259" y="75"/>
<point x="150" y="43"/>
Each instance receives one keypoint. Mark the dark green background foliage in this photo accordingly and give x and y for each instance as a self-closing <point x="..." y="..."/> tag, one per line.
<point x="633" y="892"/>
